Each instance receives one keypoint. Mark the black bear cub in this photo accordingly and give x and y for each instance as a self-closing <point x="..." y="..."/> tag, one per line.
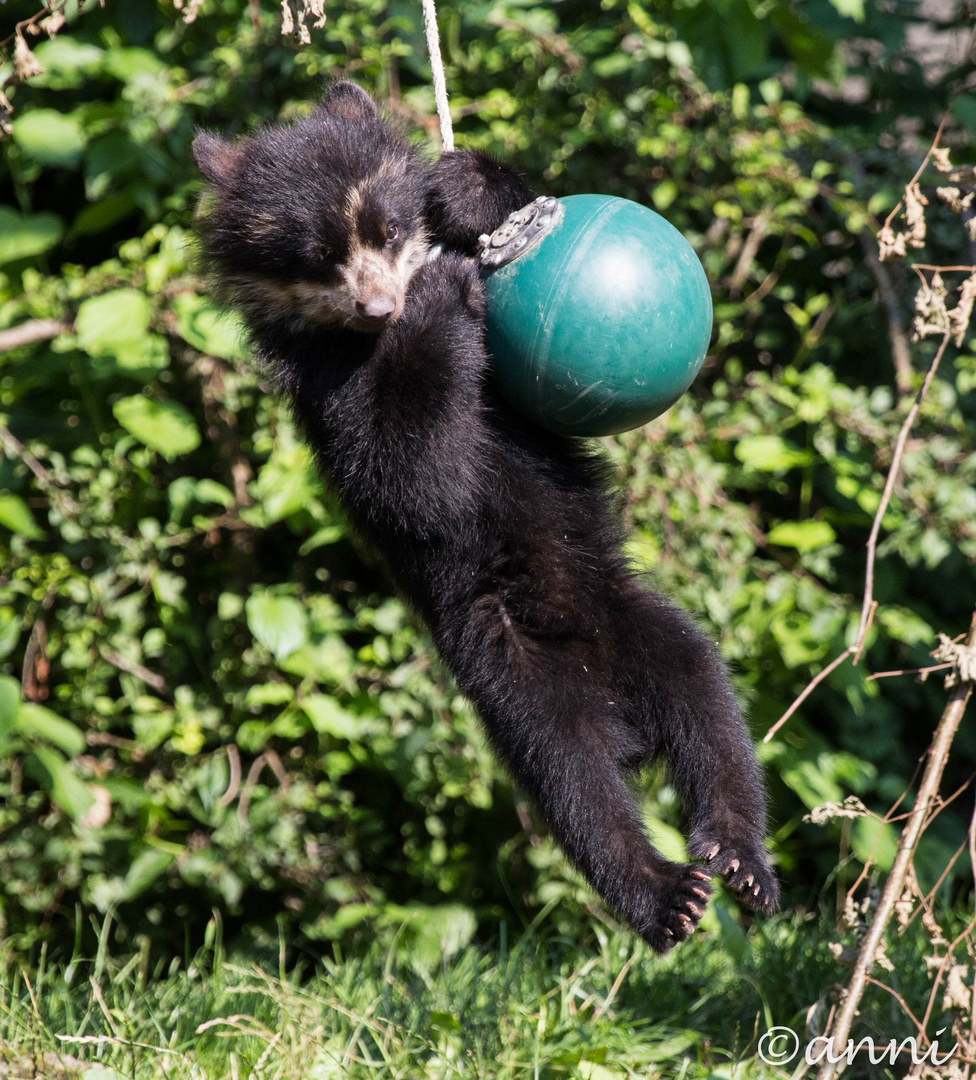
<point x="348" y="256"/>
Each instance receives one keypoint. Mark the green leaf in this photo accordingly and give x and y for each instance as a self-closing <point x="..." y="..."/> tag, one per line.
<point x="66" y="62"/>
<point x="112" y="322"/>
<point x="874" y="841"/>
<point x="328" y="534"/>
<point x="22" y="236"/>
<point x="286" y="484"/>
<point x="330" y="661"/>
<point x="444" y="1021"/>
<point x="210" y="329"/>
<point x="593" y="1070"/>
<point x="431" y="934"/>
<point x="279" y="623"/>
<point x="9" y="704"/>
<point x="108" y="157"/>
<point x="10" y="629"/>
<point x="272" y="693"/>
<point x="330" y="718"/>
<point x="905" y="625"/>
<point x="853" y="9"/>
<point x="102" y="214"/>
<point x="50" y="137"/>
<point x="41" y="723"/>
<point x="56" y="777"/>
<point x="770" y="453"/>
<point x="126" y="63"/>
<point x="152" y="728"/>
<point x="164" y="426"/>
<point x="811" y="782"/>
<point x="802" y="535"/>
<point x="729" y="43"/>
<point x="934" y="548"/>
<point x="15" y="515"/>
<point x="148" y="865"/>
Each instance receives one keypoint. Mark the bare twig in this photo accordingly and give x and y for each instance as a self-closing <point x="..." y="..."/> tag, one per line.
<point x="900" y="352"/>
<point x="30" y="332"/>
<point x="68" y="507"/>
<point x="17" y="449"/>
<point x="868" y="602"/>
<point x="808" y="690"/>
<point x="749" y="249"/>
<point x="925" y="161"/>
<point x="555" y="44"/>
<point x="951" y="947"/>
<point x="903" y="1003"/>
<point x="895" y="885"/>
<point x="28" y="24"/>
<point x="234" y="783"/>
<point x="907" y="671"/>
<point x="943" y="269"/>
<point x="271" y="759"/>
<point x="36" y="664"/>
<point x="150" y="678"/>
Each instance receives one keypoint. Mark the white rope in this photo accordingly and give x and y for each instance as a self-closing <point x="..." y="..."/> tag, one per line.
<point x="437" y="67"/>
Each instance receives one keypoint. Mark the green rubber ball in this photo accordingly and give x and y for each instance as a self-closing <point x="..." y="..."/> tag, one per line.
<point x="603" y="323"/>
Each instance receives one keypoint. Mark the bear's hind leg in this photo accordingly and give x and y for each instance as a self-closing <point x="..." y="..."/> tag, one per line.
<point x="692" y="716"/>
<point x="566" y="748"/>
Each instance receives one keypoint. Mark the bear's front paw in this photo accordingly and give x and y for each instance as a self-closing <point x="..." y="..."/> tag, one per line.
<point x="742" y="864"/>
<point x="679" y="903"/>
<point x="449" y="279"/>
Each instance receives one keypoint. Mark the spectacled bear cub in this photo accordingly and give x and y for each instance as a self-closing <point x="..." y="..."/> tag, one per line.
<point x="327" y="236"/>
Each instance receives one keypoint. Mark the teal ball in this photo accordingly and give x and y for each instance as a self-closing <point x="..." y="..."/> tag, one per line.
<point x="603" y="323"/>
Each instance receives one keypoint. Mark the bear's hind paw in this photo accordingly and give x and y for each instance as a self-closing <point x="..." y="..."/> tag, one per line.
<point x="744" y="870"/>
<point x="679" y="908"/>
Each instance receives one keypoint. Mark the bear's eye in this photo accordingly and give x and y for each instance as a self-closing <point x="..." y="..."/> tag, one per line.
<point x="392" y="232"/>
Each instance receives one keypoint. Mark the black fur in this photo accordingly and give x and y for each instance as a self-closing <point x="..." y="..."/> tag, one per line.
<point x="500" y="533"/>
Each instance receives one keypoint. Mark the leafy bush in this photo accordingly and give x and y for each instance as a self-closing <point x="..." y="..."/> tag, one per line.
<point x="212" y="699"/>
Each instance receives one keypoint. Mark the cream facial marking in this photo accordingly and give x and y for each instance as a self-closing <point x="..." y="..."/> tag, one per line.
<point x="368" y="294"/>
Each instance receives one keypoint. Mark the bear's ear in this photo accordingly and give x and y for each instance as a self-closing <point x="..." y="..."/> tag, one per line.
<point x="346" y="101"/>
<point x="216" y="159"/>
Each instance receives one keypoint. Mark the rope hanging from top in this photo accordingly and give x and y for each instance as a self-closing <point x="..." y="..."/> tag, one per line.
<point x="437" y="67"/>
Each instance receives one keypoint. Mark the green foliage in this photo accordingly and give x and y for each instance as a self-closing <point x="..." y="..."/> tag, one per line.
<point x="544" y="1007"/>
<point x="265" y="728"/>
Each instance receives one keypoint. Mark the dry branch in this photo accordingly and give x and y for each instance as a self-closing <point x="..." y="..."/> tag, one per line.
<point x="928" y="791"/>
<point x="906" y="427"/>
<point x="30" y="332"/>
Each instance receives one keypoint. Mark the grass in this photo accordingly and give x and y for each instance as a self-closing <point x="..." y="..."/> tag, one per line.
<point x="543" y="1008"/>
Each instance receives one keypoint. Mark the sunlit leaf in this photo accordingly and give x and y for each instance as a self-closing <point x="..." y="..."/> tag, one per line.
<point x="279" y="623"/>
<point x="15" y="515"/>
<point x="40" y="723"/>
<point x="802" y="535"/>
<point x="113" y="320"/>
<point x="164" y="426"/>
<point x="770" y="453"/>
<point x="66" y="62"/>
<point x="210" y="329"/>
<point x="50" y="137"/>
<point x="56" y="777"/>
<point x="22" y="236"/>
